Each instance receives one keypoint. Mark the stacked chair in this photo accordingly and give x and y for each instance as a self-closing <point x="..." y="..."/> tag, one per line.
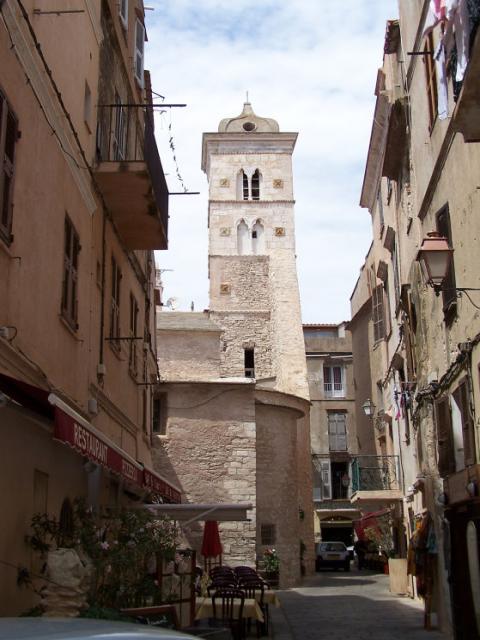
<point x="228" y="585"/>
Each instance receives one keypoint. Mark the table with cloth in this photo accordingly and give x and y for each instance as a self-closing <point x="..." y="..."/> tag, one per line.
<point x="251" y="608"/>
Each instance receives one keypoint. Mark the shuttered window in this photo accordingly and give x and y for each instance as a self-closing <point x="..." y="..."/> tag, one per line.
<point x="139" y="47"/>
<point x="378" y="313"/>
<point x="462" y="398"/>
<point x="70" y="274"/>
<point x="449" y="292"/>
<point x="8" y="137"/>
<point x="337" y="431"/>
<point x="446" y="454"/>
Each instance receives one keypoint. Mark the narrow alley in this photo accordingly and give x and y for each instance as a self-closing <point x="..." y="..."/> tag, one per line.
<point x="337" y="605"/>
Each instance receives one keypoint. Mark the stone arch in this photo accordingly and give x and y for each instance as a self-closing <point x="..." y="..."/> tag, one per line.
<point x="243" y="238"/>
<point x="258" y="237"/>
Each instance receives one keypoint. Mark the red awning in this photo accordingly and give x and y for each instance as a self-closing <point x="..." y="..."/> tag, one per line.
<point x="96" y="447"/>
<point x="27" y="395"/>
<point x="158" y="486"/>
<point x="72" y="429"/>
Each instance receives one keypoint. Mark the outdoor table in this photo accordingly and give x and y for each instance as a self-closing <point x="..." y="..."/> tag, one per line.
<point x="269" y="597"/>
<point x="251" y="608"/>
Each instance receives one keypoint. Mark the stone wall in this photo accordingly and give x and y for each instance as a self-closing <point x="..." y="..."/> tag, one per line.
<point x="211" y="439"/>
<point x="188" y="354"/>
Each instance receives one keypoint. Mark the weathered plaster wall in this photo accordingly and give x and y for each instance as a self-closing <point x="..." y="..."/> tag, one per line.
<point x="184" y="355"/>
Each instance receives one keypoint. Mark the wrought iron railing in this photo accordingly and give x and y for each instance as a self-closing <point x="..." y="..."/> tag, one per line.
<point x="375" y="473"/>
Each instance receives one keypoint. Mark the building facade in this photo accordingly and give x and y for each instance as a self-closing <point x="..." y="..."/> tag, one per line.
<point x="421" y="177"/>
<point x="333" y="431"/>
<point x="250" y="433"/>
<point x="84" y="203"/>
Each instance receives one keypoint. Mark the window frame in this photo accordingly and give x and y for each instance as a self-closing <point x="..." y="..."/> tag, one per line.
<point x="139" y="53"/>
<point x="115" y="299"/>
<point x="378" y="313"/>
<point x="123" y="13"/>
<point x="332" y="392"/>
<point x="8" y="137"/>
<point x="133" y="327"/>
<point x="71" y="252"/>
<point x="268" y="534"/>
<point x="249" y="362"/>
<point x="159" y="414"/>
<point x="334" y="437"/>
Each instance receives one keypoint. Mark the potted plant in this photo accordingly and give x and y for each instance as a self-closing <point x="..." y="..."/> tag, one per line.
<point x="271" y="562"/>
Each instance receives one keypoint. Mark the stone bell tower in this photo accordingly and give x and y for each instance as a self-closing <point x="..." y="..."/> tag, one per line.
<point x="253" y="278"/>
<point x="254" y="299"/>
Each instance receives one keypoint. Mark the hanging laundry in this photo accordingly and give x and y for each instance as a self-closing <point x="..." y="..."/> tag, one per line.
<point x="458" y="21"/>
<point x="436" y="14"/>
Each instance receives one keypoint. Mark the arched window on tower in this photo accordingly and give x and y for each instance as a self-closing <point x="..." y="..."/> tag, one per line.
<point x="242" y="238"/>
<point x="258" y="238"/>
<point x="245" y="186"/>
<point x="256" y="180"/>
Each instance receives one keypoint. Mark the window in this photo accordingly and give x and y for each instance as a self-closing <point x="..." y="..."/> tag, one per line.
<point x="249" y="363"/>
<point x="333" y="381"/>
<point x="378" y="313"/>
<point x="120" y="132"/>
<point x="159" y="414"/>
<point x="139" y="47"/>
<point x="446" y="453"/>
<point x="340" y="480"/>
<point x="256" y="185"/>
<point x="242" y="238"/>
<point x="258" y="238"/>
<point x="123" y="12"/>
<point x="87" y="107"/>
<point x="115" y="302"/>
<point x="337" y="431"/>
<point x="70" y="274"/>
<point x="431" y="80"/>
<point x="267" y="534"/>
<point x="132" y="361"/>
<point x="449" y="292"/>
<point x="8" y="138"/>
<point x="245" y="185"/>
<point x="380" y="210"/>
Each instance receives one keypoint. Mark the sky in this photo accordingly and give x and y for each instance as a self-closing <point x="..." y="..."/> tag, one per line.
<point x="311" y="65"/>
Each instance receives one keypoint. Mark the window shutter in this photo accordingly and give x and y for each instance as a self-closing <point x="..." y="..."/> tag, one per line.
<point x="326" y="480"/>
<point x="139" y="47"/>
<point x="462" y="398"/>
<point x="446" y="456"/>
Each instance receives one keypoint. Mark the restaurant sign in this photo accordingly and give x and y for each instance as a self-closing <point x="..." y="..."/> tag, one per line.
<point x="88" y="442"/>
<point x="156" y="485"/>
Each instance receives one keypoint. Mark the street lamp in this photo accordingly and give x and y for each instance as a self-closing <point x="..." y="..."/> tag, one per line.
<point x="368" y="408"/>
<point x="435" y="256"/>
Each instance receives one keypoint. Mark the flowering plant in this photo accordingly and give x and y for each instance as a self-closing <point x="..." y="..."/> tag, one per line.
<point x="120" y="546"/>
<point x="271" y="560"/>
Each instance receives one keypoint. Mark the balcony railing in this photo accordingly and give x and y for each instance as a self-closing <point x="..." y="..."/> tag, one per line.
<point x="130" y="176"/>
<point x="375" y="473"/>
<point x="334" y="389"/>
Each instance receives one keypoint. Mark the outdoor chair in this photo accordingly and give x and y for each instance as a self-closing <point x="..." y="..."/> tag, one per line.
<point x="221" y="583"/>
<point x="243" y="570"/>
<point x="254" y="588"/>
<point x="224" y="601"/>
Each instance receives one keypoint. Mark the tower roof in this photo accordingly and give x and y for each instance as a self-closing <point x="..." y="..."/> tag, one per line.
<point x="248" y="122"/>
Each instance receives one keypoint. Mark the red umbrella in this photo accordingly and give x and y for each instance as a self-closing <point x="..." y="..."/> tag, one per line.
<point x="211" y="545"/>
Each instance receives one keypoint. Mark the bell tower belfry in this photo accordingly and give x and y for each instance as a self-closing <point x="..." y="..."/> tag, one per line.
<point x="254" y="292"/>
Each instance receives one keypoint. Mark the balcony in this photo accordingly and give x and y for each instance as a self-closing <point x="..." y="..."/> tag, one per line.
<point x="375" y="480"/>
<point x="463" y="485"/>
<point x="466" y="117"/>
<point x="130" y="177"/>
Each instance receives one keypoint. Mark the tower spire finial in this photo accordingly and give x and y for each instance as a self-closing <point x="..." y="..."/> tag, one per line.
<point x="247" y="97"/>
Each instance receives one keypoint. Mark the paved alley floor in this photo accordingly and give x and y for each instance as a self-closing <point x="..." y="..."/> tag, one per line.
<point x="358" y="605"/>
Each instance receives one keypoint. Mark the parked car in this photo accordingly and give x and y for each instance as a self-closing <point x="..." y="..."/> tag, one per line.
<point x="332" y="554"/>
<point x="39" y="628"/>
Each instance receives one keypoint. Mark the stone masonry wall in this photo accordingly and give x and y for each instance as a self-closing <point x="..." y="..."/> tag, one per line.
<point x="211" y="437"/>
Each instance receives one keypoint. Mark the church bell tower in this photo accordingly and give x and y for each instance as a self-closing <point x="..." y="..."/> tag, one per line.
<point x="254" y="292"/>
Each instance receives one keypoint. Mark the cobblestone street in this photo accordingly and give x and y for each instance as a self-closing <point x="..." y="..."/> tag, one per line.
<point x="354" y="605"/>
